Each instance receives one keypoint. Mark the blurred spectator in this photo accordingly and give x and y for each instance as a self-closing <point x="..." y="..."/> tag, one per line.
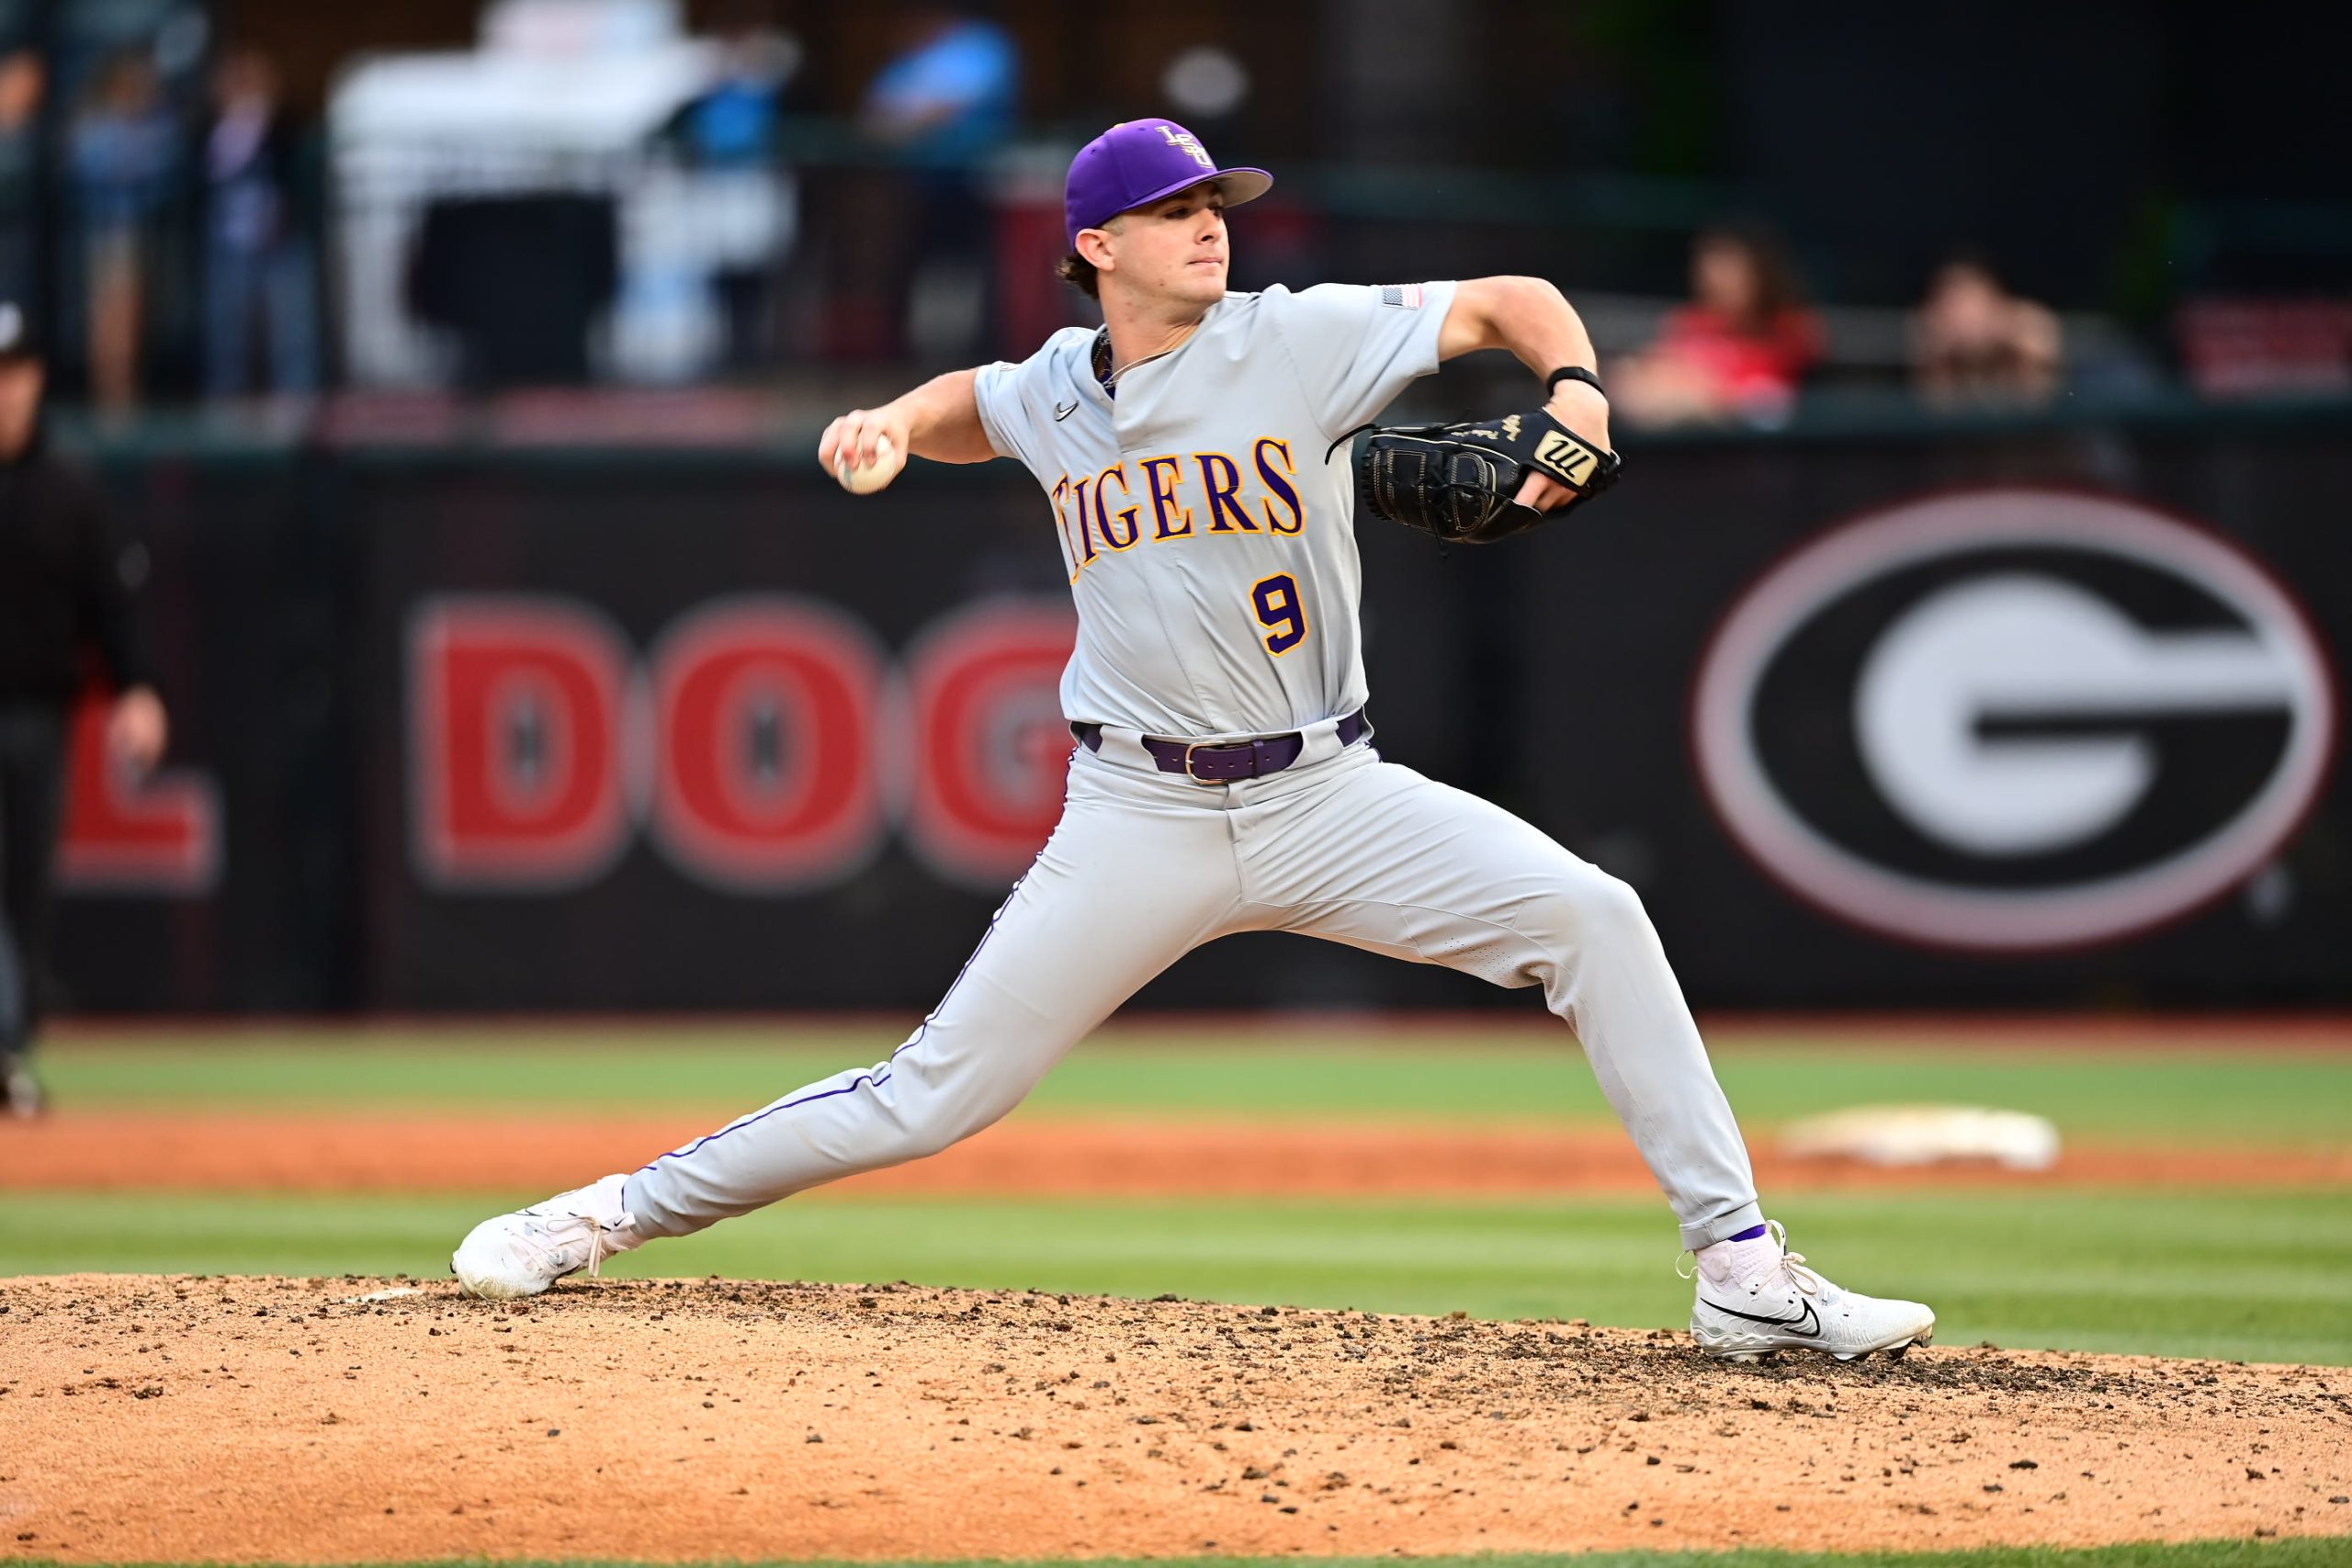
<point x="125" y="153"/>
<point x="65" y="586"/>
<point x="1736" y="352"/>
<point x="23" y="82"/>
<point x="1973" y="342"/>
<point x="260" y="275"/>
<point x="943" y="104"/>
<point x="728" y="135"/>
<point x="732" y="123"/>
<point x="947" y="99"/>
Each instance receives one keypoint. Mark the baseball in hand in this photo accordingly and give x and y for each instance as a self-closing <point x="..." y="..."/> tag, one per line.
<point x="867" y="478"/>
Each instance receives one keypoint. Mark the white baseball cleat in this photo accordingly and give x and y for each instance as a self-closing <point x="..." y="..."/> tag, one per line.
<point x="1757" y="1296"/>
<point x="523" y="1253"/>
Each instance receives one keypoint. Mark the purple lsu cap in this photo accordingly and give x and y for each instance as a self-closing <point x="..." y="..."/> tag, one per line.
<point x="1134" y="163"/>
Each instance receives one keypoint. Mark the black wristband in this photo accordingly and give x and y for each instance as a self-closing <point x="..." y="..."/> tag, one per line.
<point x="1572" y="372"/>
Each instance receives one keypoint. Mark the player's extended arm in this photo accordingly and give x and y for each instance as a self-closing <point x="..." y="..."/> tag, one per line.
<point x="939" y="420"/>
<point x="1533" y="319"/>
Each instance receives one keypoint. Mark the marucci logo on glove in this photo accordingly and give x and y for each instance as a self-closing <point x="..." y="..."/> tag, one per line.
<point x="2013" y="719"/>
<point x="1567" y="458"/>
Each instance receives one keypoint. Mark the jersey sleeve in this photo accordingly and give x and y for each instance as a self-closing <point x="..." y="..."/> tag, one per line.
<point x="996" y="392"/>
<point x="1356" y="345"/>
<point x="1015" y="402"/>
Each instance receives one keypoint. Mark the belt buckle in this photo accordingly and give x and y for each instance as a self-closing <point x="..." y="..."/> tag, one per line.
<point x="1213" y="746"/>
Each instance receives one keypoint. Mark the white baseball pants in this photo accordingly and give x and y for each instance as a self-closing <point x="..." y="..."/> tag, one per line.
<point x="1145" y="866"/>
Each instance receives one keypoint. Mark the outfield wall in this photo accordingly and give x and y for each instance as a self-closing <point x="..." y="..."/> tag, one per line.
<point x="2015" y="714"/>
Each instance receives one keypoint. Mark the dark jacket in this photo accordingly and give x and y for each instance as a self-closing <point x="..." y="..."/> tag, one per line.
<point x="66" y="582"/>
<point x="282" y="164"/>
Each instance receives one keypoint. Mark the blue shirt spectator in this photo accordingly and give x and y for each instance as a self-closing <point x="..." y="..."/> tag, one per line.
<point x="950" y="97"/>
<point x="733" y="123"/>
<point x="125" y="148"/>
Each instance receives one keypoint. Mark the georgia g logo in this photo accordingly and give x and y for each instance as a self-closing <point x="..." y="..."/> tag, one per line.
<point x="2012" y="719"/>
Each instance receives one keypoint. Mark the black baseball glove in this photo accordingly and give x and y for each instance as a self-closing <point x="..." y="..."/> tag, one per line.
<point x="1458" y="481"/>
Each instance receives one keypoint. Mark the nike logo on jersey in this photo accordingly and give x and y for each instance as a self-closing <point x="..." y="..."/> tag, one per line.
<point x="1062" y="413"/>
<point x="1806" y="1323"/>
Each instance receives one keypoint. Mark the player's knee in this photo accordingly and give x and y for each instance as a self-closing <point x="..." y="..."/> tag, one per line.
<point x="1613" y="903"/>
<point x="1592" y="907"/>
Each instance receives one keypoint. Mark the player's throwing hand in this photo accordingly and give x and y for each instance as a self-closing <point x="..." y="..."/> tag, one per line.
<point x="864" y="448"/>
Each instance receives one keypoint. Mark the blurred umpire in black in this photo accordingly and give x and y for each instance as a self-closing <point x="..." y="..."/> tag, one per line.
<point x="66" y="583"/>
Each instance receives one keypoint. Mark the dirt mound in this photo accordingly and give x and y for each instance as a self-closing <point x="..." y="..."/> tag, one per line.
<point x="414" y="1152"/>
<point x="288" y="1420"/>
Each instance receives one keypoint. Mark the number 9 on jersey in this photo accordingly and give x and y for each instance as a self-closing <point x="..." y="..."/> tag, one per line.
<point x="1275" y="599"/>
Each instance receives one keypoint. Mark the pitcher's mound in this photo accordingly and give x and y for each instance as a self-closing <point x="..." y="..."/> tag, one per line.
<point x="291" y="1420"/>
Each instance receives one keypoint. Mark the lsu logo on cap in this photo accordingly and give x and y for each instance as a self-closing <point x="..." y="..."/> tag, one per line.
<point x="1189" y="144"/>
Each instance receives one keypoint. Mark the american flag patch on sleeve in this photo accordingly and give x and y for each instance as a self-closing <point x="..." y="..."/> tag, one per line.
<point x="1404" y="295"/>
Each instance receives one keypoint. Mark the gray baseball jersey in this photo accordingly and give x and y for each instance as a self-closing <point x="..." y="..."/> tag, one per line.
<point x="1209" y="544"/>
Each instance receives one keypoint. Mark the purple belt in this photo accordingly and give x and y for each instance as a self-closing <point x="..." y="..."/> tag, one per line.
<point x="1221" y="761"/>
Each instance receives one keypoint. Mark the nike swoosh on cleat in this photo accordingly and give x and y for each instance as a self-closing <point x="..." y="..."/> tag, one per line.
<point x="1807" y="1322"/>
<point x="1061" y="413"/>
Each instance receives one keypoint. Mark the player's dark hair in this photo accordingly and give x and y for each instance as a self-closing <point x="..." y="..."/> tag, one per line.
<point x="1079" y="274"/>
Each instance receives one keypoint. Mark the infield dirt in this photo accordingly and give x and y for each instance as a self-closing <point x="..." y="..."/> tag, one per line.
<point x="290" y="1420"/>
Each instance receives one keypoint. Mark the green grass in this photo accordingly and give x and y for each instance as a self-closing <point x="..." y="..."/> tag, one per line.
<point x="2251" y="1274"/>
<point x="2252" y="1094"/>
<point x="2303" y="1553"/>
<point x="2244" y="1276"/>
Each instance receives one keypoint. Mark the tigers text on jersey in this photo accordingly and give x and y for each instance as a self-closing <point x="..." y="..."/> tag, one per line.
<point x="1211" y="546"/>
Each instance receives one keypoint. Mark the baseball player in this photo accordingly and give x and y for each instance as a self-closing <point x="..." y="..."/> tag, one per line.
<point x="1225" y="778"/>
